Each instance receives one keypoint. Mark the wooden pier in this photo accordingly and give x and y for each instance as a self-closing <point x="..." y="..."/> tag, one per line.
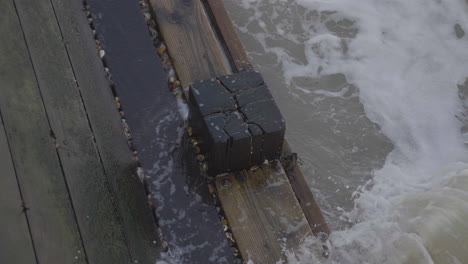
<point x="70" y="190"/>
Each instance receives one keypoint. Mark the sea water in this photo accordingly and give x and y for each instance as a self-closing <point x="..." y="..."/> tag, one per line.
<point x="375" y="96"/>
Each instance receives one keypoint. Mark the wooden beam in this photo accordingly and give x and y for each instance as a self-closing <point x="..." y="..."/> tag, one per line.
<point x="304" y="195"/>
<point x="15" y="239"/>
<point x="87" y="183"/>
<point x="230" y="38"/>
<point x="152" y="115"/>
<point x="51" y="218"/>
<point x="192" y="43"/>
<point x="137" y="220"/>
<point x="263" y="214"/>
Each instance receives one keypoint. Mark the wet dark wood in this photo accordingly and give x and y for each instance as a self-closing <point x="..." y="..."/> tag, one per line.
<point x="229" y="35"/>
<point x="48" y="207"/>
<point x="187" y="218"/>
<point x="192" y="42"/>
<point x="87" y="183"/>
<point x="15" y="240"/>
<point x="298" y="182"/>
<point x="138" y="222"/>
<point x="263" y="214"/>
<point x="304" y="195"/>
<point x="224" y="110"/>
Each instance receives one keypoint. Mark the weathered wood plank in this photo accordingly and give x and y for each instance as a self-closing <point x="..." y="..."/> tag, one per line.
<point x="51" y="218"/>
<point x="137" y="219"/>
<point x="92" y="200"/>
<point x="15" y="239"/>
<point x="153" y="117"/>
<point x="263" y="213"/>
<point x="226" y="29"/>
<point x="192" y="43"/>
<point x="304" y="194"/>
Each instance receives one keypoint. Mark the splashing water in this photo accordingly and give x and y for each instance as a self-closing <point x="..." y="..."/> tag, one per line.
<point x="383" y="83"/>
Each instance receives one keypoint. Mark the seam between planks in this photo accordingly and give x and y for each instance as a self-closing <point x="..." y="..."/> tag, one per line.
<point x="50" y="128"/>
<point x="77" y="85"/>
<point x="19" y="189"/>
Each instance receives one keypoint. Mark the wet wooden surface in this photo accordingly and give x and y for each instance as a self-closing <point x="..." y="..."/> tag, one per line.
<point x="138" y="222"/>
<point x="263" y="214"/>
<point x="16" y="236"/>
<point x="53" y="227"/>
<point x="187" y="218"/>
<point x="75" y="172"/>
<point x="187" y="48"/>
<point x="84" y="173"/>
<point x="192" y="42"/>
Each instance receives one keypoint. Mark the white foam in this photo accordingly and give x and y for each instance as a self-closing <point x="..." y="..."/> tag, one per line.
<point x="406" y="61"/>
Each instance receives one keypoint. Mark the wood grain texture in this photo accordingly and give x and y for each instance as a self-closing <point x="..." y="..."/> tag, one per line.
<point x="304" y="195"/>
<point x="52" y="223"/>
<point x="90" y="192"/>
<point x="263" y="214"/>
<point x="192" y="43"/>
<point x="15" y="239"/>
<point x="138" y="222"/>
<point x="225" y="27"/>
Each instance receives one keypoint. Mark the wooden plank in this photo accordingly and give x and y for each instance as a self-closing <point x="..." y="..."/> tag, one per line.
<point x="231" y="40"/>
<point x="263" y="214"/>
<point x="304" y="195"/>
<point x="152" y="114"/>
<point x="137" y="219"/>
<point x="87" y="183"/>
<point x="15" y="239"/>
<point x="192" y="43"/>
<point x="51" y="218"/>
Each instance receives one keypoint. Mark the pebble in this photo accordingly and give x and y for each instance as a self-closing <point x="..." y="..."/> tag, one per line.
<point x="211" y="188"/>
<point x="161" y="49"/>
<point x="200" y="157"/>
<point x="171" y="80"/>
<point x="176" y="85"/>
<point x="204" y="167"/>
<point x="196" y="149"/>
<point x="102" y="53"/>
<point x="147" y="16"/>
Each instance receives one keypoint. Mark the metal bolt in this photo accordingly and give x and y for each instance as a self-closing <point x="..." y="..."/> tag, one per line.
<point x="226" y="183"/>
